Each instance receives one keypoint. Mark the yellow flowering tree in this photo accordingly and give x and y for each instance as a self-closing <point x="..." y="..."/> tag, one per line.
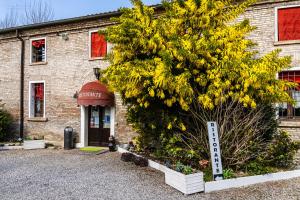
<point x="188" y="51"/>
<point x="191" y="53"/>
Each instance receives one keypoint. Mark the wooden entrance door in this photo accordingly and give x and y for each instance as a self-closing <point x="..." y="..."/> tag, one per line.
<point x="97" y="134"/>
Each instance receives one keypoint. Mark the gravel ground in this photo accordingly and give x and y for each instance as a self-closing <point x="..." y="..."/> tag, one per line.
<point x="58" y="174"/>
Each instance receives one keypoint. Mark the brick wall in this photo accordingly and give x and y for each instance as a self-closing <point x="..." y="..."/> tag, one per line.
<point x="68" y="67"/>
<point x="124" y="131"/>
<point x="10" y="78"/>
<point x="262" y="16"/>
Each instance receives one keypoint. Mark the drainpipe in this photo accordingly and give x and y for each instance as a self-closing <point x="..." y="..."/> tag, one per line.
<point x="21" y="85"/>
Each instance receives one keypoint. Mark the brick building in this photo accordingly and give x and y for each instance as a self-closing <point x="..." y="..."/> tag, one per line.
<point x="59" y="58"/>
<point x="47" y="73"/>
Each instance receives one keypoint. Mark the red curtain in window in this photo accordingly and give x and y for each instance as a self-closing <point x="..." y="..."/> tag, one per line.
<point x="98" y="45"/>
<point x="292" y="76"/>
<point x="39" y="91"/>
<point x="289" y="24"/>
<point x="38" y="43"/>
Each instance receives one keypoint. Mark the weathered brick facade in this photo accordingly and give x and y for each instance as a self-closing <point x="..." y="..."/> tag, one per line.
<point x="68" y="67"/>
<point x="10" y="75"/>
<point x="263" y="17"/>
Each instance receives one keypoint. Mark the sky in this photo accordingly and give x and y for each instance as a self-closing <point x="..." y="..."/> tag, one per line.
<point x="72" y="8"/>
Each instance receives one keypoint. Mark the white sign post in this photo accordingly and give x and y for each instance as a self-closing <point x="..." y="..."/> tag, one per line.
<point x="215" y="152"/>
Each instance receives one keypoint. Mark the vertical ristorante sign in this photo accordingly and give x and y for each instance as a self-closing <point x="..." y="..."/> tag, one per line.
<point x="215" y="151"/>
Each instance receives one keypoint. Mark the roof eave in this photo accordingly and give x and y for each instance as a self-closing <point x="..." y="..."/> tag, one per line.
<point x="69" y="20"/>
<point x="61" y="21"/>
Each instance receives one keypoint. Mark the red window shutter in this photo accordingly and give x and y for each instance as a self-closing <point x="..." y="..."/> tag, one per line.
<point x="289" y="24"/>
<point x="98" y="45"/>
<point x="292" y="76"/>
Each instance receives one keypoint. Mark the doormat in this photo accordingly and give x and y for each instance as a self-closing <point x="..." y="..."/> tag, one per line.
<point x="94" y="150"/>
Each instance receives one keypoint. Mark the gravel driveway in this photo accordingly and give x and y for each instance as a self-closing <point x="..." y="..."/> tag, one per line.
<point x="58" y="174"/>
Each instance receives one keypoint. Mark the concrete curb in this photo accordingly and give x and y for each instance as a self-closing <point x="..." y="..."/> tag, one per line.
<point x="7" y="147"/>
<point x="249" y="180"/>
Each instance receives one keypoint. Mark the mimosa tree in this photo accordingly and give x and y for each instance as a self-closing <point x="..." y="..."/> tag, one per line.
<point x="175" y="69"/>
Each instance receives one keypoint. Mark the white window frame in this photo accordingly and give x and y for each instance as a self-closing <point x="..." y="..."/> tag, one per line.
<point x="90" y="45"/>
<point x="276" y="20"/>
<point x="29" y="97"/>
<point x="30" y="45"/>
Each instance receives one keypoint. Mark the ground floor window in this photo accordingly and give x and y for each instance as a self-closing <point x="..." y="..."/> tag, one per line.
<point x="37" y="99"/>
<point x="287" y="110"/>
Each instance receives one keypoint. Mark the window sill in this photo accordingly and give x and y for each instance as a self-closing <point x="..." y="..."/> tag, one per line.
<point x="286" y="123"/>
<point x="38" y="63"/>
<point x="37" y="119"/>
<point x="100" y="58"/>
<point x="287" y="42"/>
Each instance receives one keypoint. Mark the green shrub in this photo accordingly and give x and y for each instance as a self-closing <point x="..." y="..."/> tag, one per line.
<point x="208" y="175"/>
<point x="228" y="173"/>
<point x="5" y="123"/>
<point x="254" y="129"/>
<point x="256" y="168"/>
<point x="280" y="151"/>
<point x="149" y="124"/>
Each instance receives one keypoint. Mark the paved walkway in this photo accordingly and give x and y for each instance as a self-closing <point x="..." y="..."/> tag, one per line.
<point x="58" y="174"/>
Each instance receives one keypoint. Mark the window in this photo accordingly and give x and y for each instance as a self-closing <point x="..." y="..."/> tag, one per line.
<point x="95" y="119"/>
<point x="37" y="99"/>
<point x="99" y="117"/>
<point x="288" y="110"/>
<point x="38" y="50"/>
<point x="98" y="45"/>
<point x="288" y="23"/>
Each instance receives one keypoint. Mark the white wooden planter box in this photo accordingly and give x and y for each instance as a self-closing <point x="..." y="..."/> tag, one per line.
<point x="34" y="144"/>
<point x="7" y="147"/>
<point x="249" y="180"/>
<point x="187" y="184"/>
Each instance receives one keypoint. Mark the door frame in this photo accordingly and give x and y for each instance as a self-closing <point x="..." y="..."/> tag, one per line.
<point x="84" y="125"/>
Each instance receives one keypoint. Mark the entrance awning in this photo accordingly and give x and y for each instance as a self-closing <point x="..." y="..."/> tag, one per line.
<point x="95" y="93"/>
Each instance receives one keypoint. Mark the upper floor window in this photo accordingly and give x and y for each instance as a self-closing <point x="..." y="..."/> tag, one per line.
<point x="288" y="23"/>
<point x="38" y="50"/>
<point x="288" y="110"/>
<point x="98" y="45"/>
